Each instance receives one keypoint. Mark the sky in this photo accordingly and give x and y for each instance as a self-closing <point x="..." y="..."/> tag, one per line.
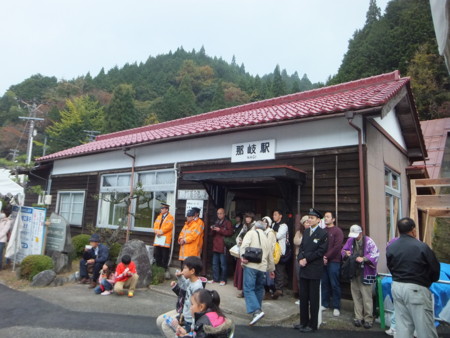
<point x="69" y="38"/>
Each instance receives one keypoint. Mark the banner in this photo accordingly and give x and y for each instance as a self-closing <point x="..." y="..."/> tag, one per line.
<point x="28" y="234"/>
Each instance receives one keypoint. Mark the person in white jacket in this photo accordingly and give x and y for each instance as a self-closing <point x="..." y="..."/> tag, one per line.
<point x="5" y="226"/>
<point x="254" y="273"/>
<point x="281" y="229"/>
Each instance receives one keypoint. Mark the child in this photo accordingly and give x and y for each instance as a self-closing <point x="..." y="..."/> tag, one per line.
<point x="187" y="283"/>
<point x="210" y="322"/>
<point x="126" y="276"/>
<point x="106" y="279"/>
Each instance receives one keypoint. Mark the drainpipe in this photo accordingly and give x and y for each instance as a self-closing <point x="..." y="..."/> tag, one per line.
<point x="175" y="167"/>
<point x="133" y="157"/>
<point x="349" y="115"/>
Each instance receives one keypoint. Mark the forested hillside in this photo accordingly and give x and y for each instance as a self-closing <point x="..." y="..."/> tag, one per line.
<point x="404" y="39"/>
<point x="163" y="88"/>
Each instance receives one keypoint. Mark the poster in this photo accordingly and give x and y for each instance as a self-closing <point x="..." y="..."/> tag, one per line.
<point x="29" y="233"/>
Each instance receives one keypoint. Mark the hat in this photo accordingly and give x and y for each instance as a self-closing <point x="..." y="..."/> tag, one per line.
<point x="304" y="219"/>
<point x="196" y="210"/>
<point x="164" y="205"/>
<point x="314" y="212"/>
<point x="94" y="238"/>
<point x="268" y="220"/>
<point x="355" y="230"/>
<point x="191" y="212"/>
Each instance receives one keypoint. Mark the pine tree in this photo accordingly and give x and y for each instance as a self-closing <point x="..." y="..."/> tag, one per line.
<point x="121" y="112"/>
<point x="278" y="85"/>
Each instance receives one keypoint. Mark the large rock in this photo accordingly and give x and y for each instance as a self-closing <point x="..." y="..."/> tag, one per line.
<point x="139" y="255"/>
<point x="61" y="262"/>
<point x="43" y="278"/>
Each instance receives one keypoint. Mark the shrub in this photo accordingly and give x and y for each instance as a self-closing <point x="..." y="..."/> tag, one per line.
<point x="79" y="242"/>
<point x="114" y="251"/>
<point x="33" y="264"/>
<point x="157" y="274"/>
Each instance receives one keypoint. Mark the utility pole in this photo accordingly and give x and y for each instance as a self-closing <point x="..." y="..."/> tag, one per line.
<point x="32" y="109"/>
<point x="13" y="153"/>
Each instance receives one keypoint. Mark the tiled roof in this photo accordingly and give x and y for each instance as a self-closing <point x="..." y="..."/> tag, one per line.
<point x="435" y="133"/>
<point x="365" y="93"/>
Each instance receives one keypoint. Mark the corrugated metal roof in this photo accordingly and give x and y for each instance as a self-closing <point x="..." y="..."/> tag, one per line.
<point x="365" y="93"/>
<point x="435" y="134"/>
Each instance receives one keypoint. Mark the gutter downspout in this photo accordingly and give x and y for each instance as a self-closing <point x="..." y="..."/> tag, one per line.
<point x="362" y="184"/>
<point x="133" y="157"/>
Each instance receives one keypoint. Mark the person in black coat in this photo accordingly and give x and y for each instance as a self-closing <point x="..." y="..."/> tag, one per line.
<point x="310" y="258"/>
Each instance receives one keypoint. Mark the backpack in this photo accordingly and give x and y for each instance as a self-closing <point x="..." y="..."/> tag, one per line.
<point x="277" y="253"/>
<point x="276" y="249"/>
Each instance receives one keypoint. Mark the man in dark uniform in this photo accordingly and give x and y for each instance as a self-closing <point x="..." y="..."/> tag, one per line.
<point x="310" y="258"/>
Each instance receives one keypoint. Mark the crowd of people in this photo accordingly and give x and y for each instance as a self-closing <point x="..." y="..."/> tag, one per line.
<point x="317" y="253"/>
<point x="321" y="259"/>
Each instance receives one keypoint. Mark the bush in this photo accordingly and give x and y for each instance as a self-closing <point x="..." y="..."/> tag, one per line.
<point x="33" y="264"/>
<point x="114" y="251"/>
<point x="79" y="242"/>
<point x="157" y="274"/>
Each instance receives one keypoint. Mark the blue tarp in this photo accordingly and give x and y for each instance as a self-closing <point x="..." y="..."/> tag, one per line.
<point x="440" y="291"/>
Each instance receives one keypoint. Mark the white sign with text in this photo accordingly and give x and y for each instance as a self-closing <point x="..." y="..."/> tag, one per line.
<point x="253" y="151"/>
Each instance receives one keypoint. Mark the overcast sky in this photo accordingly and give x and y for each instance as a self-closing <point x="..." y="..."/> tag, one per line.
<point x="68" y="38"/>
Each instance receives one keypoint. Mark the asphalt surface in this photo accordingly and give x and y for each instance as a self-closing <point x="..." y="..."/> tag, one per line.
<point x="74" y="311"/>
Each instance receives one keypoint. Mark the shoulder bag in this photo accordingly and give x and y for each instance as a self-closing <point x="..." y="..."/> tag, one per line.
<point x="254" y="255"/>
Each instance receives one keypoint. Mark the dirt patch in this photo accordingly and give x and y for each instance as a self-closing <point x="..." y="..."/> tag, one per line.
<point x="9" y="277"/>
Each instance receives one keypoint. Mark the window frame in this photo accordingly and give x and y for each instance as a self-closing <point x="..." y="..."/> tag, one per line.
<point x="392" y="193"/>
<point x="71" y="192"/>
<point x="153" y="187"/>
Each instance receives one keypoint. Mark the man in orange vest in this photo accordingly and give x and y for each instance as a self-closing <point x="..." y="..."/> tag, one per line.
<point x="191" y="236"/>
<point x="163" y="228"/>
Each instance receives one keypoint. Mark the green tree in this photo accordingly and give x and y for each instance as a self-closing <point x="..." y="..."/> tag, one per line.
<point x="278" y="85"/>
<point x="121" y="112"/>
<point x="81" y="113"/>
<point x="373" y="14"/>
<point x="429" y="82"/>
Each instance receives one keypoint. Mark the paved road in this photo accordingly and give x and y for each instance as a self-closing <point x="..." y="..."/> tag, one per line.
<point x="25" y="315"/>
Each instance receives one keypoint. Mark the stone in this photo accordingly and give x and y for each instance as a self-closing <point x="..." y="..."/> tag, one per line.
<point x="61" y="262"/>
<point x="139" y="255"/>
<point x="59" y="281"/>
<point x="43" y="278"/>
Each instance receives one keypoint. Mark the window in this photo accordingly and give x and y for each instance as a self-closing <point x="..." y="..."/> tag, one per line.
<point x="157" y="186"/>
<point x="393" y="201"/>
<point x="70" y="205"/>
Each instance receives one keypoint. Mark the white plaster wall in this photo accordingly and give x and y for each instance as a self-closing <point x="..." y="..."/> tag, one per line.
<point x="380" y="153"/>
<point x="319" y="134"/>
<point x="392" y="126"/>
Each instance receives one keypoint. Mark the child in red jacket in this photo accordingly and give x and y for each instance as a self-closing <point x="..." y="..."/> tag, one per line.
<point x="126" y="276"/>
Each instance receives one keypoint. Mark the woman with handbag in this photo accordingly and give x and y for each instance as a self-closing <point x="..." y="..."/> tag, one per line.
<point x="249" y="220"/>
<point x="257" y="259"/>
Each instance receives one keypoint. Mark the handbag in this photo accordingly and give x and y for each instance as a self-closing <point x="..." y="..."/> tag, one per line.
<point x="288" y="253"/>
<point x="253" y="255"/>
<point x="234" y="251"/>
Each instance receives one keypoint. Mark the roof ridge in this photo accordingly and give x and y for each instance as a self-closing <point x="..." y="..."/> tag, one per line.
<point x="310" y="94"/>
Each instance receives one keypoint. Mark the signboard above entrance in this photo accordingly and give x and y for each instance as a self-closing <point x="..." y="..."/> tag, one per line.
<point x="198" y="194"/>
<point x="253" y="151"/>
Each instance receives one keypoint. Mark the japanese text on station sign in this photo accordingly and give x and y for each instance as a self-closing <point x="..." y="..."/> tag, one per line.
<point x="253" y="151"/>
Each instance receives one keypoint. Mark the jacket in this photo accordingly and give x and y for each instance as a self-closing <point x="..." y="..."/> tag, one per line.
<point x="412" y="261"/>
<point x="370" y="254"/>
<point x="209" y="324"/>
<point x="251" y="239"/>
<point x="281" y="229"/>
<point x="313" y="248"/>
<point x="218" y="237"/>
<point x="5" y="226"/>
<point x="111" y="279"/>
<point x="335" y="239"/>
<point x="192" y="234"/>
<point x="167" y="228"/>
<point x="102" y="254"/>
<point x="121" y="275"/>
